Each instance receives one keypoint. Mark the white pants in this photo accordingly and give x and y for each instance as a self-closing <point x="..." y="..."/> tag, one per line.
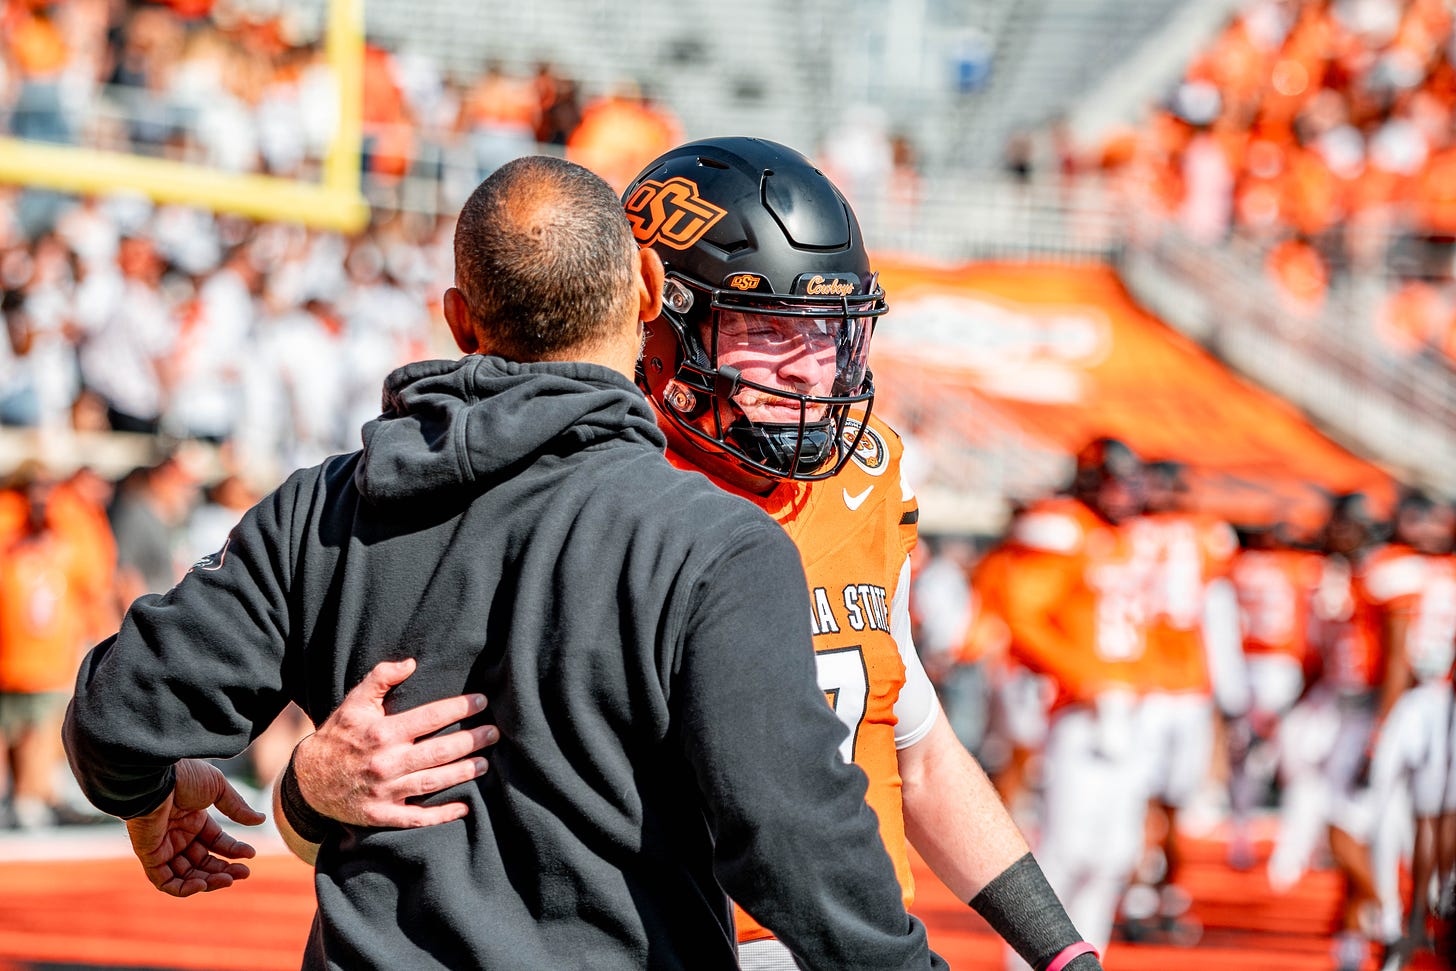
<point x="1175" y="735"/>
<point x="1407" y="777"/>
<point x="1275" y="681"/>
<point x="1306" y="739"/>
<point x="1095" y="810"/>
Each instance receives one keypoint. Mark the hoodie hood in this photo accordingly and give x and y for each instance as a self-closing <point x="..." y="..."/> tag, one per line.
<point x="448" y="424"/>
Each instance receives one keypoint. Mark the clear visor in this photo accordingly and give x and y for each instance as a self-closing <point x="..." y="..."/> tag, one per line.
<point x="788" y="361"/>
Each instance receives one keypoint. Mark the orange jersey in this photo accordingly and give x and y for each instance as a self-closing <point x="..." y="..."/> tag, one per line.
<point x="1077" y="604"/>
<point x="855" y="533"/>
<point x="1185" y="551"/>
<point x="1397" y="579"/>
<point x="988" y="635"/>
<point x="1275" y="589"/>
<point x="1345" y="629"/>
<point x="42" y="583"/>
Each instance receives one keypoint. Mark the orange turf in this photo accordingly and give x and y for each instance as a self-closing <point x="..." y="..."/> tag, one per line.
<point x="103" y="914"/>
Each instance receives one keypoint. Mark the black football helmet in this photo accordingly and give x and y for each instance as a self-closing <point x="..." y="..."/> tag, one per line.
<point x="750" y="227"/>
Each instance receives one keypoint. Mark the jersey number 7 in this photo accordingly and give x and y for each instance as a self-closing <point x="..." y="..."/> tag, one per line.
<point x="846" y="683"/>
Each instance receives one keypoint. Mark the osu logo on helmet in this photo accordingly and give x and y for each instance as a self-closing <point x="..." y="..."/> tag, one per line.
<point x="671" y="213"/>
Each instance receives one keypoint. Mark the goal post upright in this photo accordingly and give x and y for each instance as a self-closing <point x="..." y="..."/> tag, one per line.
<point x="336" y="202"/>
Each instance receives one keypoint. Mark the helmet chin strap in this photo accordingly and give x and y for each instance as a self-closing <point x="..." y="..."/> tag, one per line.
<point x="788" y="447"/>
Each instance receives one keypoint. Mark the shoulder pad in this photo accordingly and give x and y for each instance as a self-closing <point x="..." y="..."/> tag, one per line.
<point x="1049" y="530"/>
<point x="1396" y="575"/>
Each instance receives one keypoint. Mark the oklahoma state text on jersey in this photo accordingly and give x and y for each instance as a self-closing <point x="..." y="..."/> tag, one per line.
<point x="855" y="533"/>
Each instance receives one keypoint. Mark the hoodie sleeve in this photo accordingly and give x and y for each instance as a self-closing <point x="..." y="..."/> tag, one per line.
<point x="195" y="673"/>
<point x="796" y="844"/>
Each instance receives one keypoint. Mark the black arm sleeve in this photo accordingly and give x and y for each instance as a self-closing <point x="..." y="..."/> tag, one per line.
<point x="197" y="673"/>
<point x="796" y="845"/>
<point x="1022" y="907"/>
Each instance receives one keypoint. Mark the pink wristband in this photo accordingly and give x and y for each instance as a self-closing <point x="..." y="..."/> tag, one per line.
<point x="1069" y="954"/>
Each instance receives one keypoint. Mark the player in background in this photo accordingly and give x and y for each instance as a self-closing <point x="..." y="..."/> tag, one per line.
<point x="758" y="372"/>
<point x="1411" y="585"/>
<point x="1275" y="585"/>
<point x="1334" y="722"/>
<point x="1077" y="609"/>
<point x="1195" y="667"/>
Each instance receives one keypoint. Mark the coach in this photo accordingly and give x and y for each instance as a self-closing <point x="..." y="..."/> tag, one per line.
<point x="512" y="525"/>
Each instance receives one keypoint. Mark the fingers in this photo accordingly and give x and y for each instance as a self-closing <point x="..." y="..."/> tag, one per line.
<point x="436" y="715"/>
<point x="232" y="805"/>
<point x="440" y="778"/>
<point x="380" y="679"/>
<point x="448" y="748"/>
<point x="415" y="817"/>
<point x="182" y="877"/>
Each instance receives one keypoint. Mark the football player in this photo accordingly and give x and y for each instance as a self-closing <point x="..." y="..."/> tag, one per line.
<point x="1195" y="657"/>
<point x="1411" y="582"/>
<point x="758" y="370"/>
<point x="1078" y="612"/>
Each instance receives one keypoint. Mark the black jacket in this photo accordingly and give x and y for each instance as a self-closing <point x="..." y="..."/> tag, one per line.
<point x="642" y="637"/>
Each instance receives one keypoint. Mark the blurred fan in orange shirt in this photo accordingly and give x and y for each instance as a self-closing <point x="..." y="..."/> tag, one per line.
<point x="621" y="133"/>
<point x="45" y="576"/>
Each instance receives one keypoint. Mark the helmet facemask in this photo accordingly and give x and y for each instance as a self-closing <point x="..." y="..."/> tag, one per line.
<point x="737" y="353"/>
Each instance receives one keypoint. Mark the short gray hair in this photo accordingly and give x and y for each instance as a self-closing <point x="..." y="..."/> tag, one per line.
<point x="544" y="256"/>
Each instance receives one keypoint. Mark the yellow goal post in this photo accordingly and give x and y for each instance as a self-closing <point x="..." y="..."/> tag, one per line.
<point x="335" y="202"/>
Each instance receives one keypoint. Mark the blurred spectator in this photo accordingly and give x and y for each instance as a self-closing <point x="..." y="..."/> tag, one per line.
<point x="1018" y="159"/>
<point x="620" y="133"/>
<point x="40" y="54"/>
<point x="149" y="517"/>
<point x="388" y="122"/>
<point x="859" y="157"/>
<point x="223" y="504"/>
<point x="1413" y="318"/>
<point x="1299" y="276"/>
<point x="203" y="369"/>
<point x="500" y="115"/>
<point x="44" y="586"/>
<point x="128" y="332"/>
<point x="942" y="615"/>
<point x="558" y="106"/>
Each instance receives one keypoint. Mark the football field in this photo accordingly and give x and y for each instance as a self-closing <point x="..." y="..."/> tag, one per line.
<point x="77" y="904"/>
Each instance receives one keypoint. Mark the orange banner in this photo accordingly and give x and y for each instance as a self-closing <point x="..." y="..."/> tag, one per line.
<point x="1065" y="354"/>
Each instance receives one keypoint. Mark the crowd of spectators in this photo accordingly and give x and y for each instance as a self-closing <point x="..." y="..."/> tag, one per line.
<point x="1320" y="132"/>
<point x="264" y="344"/>
<point x="75" y="548"/>
<point x="247" y="87"/>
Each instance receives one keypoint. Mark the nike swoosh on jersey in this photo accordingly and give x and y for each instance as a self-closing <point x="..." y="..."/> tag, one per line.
<point x="854" y="502"/>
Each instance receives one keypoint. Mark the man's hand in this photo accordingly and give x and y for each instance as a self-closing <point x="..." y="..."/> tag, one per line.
<point x="182" y="848"/>
<point x="361" y="765"/>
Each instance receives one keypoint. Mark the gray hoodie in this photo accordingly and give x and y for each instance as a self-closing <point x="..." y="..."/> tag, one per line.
<point x="642" y="637"/>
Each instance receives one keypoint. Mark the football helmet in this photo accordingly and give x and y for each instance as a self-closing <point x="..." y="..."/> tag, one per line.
<point x="762" y="252"/>
<point x="1109" y="478"/>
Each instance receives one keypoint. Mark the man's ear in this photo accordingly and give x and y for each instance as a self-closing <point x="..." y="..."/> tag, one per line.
<point x="462" y="321"/>
<point x="650" y="277"/>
